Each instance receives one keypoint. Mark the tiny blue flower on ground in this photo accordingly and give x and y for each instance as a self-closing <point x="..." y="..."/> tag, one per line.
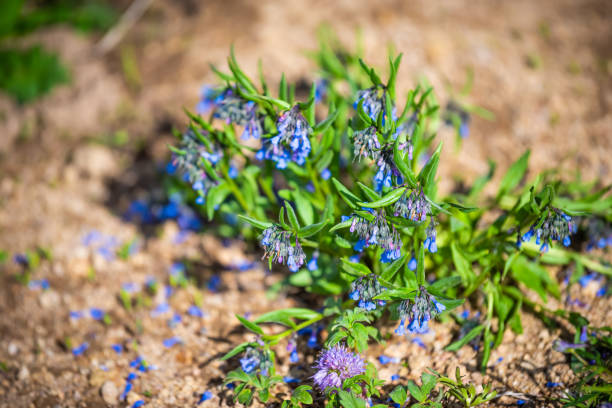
<point x="160" y="309"/>
<point x="416" y="315"/>
<point x="206" y="395"/>
<point x="335" y="365"/>
<point x="138" y="404"/>
<point x="278" y="248"/>
<point x="395" y="377"/>
<point x="96" y="314"/>
<point x="38" y="284"/>
<point x="126" y="391"/>
<point x="290" y="380"/>
<point x="131" y="377"/>
<point x="195" y="311"/>
<point x="364" y="289"/>
<point x="77" y="351"/>
<point x="118" y="348"/>
<point x="171" y="341"/>
<point x="386" y="359"/>
<point x="551" y="384"/>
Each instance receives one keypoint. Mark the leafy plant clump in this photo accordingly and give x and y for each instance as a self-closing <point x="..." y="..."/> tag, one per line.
<point x="340" y="187"/>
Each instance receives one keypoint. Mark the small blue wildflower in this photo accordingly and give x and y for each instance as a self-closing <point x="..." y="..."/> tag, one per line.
<point x="602" y="291"/>
<point x="138" y="404"/>
<point x="325" y="174"/>
<point x="172" y="341"/>
<point x="377" y="232"/>
<point x="586" y="279"/>
<point x="584" y="336"/>
<point x="208" y="95"/>
<point x="174" y="320"/>
<point x="290" y="380"/>
<point x="126" y="391"/>
<point x="551" y="384"/>
<point x="160" y="309"/>
<point x="214" y="283"/>
<point x="412" y="264"/>
<point x="131" y="377"/>
<point x="359" y="245"/>
<point x="312" y="340"/>
<point x="465" y="314"/>
<point x="312" y="264"/>
<point x="520" y="402"/>
<point x="76" y="314"/>
<point x="130" y="287"/>
<point x="21" y="260"/>
<point x="77" y="351"/>
<point x="320" y="90"/>
<point x="335" y="365"/>
<point x="206" y="395"/>
<point x="419" y="312"/>
<point x="383" y="359"/>
<point x="395" y="377"/>
<point x="232" y="172"/>
<point x="118" y="348"/>
<point x="195" y="311"/>
<point x="96" y="314"/>
<point x="310" y="187"/>
<point x="38" y="284"/>
<point x="354" y="258"/>
<point x="251" y="360"/>
<point x="430" y="241"/>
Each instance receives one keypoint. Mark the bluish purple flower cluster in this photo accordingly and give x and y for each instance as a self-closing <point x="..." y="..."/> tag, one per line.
<point x="377" y="232"/>
<point x="364" y="289"/>
<point x="292" y="143"/>
<point x="413" y="206"/>
<point x="189" y="163"/>
<point x="255" y="359"/>
<point x="387" y="171"/>
<point x="373" y="101"/>
<point x="556" y="226"/>
<point x="335" y="365"/>
<point x="366" y="144"/>
<point x="278" y="247"/>
<point x="599" y="234"/>
<point x="232" y="109"/>
<point x="430" y="240"/>
<point x="418" y="313"/>
<point x="455" y="114"/>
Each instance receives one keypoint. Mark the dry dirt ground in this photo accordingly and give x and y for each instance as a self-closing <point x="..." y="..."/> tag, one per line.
<point x="543" y="68"/>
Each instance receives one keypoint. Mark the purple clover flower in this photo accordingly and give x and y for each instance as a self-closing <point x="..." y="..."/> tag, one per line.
<point x="335" y="365"/>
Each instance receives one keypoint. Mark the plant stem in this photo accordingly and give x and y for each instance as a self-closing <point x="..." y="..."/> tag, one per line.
<point x="275" y="338"/>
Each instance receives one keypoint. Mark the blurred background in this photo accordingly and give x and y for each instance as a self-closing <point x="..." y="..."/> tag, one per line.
<point x="90" y="91"/>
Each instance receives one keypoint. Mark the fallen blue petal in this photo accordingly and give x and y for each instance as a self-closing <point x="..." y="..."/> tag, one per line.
<point x="290" y="380"/>
<point x="117" y="347"/>
<point x="96" y="314"/>
<point x="195" y="311"/>
<point x="205" y="397"/>
<point x="138" y="403"/>
<point x="77" y="351"/>
<point x="172" y="341"/>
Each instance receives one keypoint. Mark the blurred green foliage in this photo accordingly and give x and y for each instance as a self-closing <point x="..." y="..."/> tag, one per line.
<point x="28" y="73"/>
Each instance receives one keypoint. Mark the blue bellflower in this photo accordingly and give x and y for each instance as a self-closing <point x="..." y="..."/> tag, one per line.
<point x="555" y="226"/>
<point x="415" y="315"/>
<point x="364" y="289"/>
<point x="278" y="247"/>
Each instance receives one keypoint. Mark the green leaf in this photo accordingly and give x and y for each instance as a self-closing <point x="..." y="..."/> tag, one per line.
<point x="325" y="124"/>
<point x="442" y="285"/>
<point x="514" y="175"/>
<point x="463" y="266"/>
<point x="399" y="395"/>
<point x="237" y="350"/>
<point x="282" y="316"/>
<point x="303" y="206"/>
<point x="348" y="400"/>
<point x="215" y="197"/>
<point x="388" y="199"/>
<point x="302" y="395"/>
<point x="312" y="229"/>
<point x="472" y="334"/>
<point x="292" y="217"/>
<point x="390" y="270"/>
<point x="354" y="268"/>
<point x="416" y="391"/>
<point x="245" y="396"/>
<point x="429" y="382"/>
<point x="350" y="198"/>
<point x="249" y="325"/>
<point x="427" y="176"/>
<point x="254" y="222"/>
<point x="341" y="225"/>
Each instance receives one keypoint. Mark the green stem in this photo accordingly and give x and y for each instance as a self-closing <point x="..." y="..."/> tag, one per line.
<point x="237" y="193"/>
<point x="275" y="338"/>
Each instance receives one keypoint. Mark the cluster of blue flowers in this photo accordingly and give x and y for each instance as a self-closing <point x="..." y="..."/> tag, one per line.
<point x="418" y="313"/>
<point x="292" y="142"/>
<point x="377" y="232"/>
<point x="372" y="100"/>
<point x="599" y="234"/>
<point x="387" y="171"/>
<point x="255" y="359"/>
<point x="366" y="144"/>
<point x="189" y="163"/>
<point x="555" y="226"/>
<point x="364" y="289"/>
<point x="277" y="245"/>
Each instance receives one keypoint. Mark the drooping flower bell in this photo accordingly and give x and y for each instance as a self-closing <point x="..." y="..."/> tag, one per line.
<point x="364" y="289"/>
<point x="430" y="241"/>
<point x="556" y="226"/>
<point x="278" y="247"/>
<point x="387" y="171"/>
<point x="412" y="205"/>
<point x="335" y="365"/>
<point x="415" y="315"/>
<point x="366" y="144"/>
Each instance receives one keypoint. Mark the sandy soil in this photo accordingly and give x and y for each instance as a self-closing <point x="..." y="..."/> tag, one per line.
<point x="543" y="68"/>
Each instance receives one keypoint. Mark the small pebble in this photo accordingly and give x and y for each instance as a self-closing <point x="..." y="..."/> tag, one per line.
<point x="109" y="392"/>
